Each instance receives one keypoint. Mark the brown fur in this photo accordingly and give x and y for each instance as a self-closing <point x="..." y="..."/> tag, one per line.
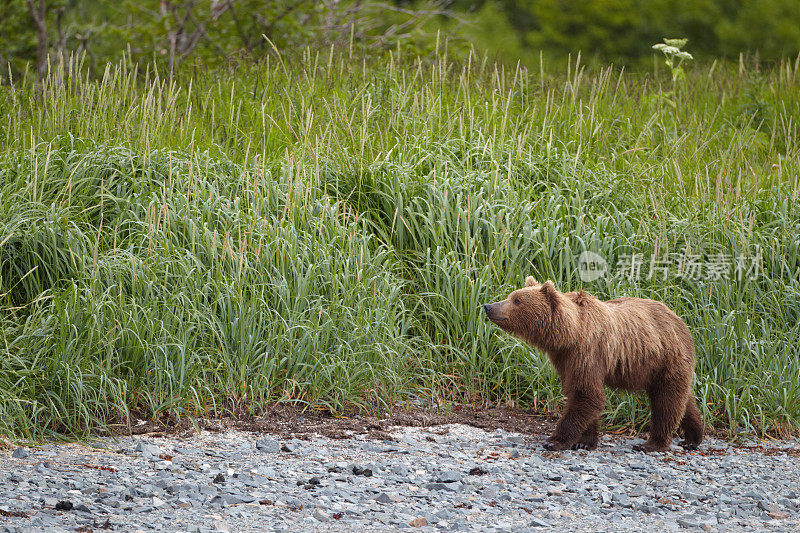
<point x="627" y="343"/>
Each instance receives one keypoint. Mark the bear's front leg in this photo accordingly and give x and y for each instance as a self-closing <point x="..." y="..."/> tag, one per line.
<point x="584" y="406"/>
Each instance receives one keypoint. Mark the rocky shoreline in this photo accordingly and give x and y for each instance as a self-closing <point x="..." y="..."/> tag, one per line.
<point x="444" y="478"/>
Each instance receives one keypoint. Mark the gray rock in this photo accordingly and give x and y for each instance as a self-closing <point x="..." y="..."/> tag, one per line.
<point x="232" y="499"/>
<point x="321" y="515"/>
<point x="400" y="470"/>
<point x="268" y="445"/>
<point x="147" y="450"/>
<point x="447" y="476"/>
<point x="19" y="453"/>
<point x="383" y="498"/>
<point x="539" y="522"/>
<point x="687" y="523"/>
<point x="754" y="495"/>
<point x="621" y="499"/>
<point x="768" y="507"/>
<point x="450" y="487"/>
<point x="690" y="495"/>
<point x="535" y="461"/>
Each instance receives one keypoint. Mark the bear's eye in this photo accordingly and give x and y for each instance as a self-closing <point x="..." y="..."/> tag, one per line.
<point x="516" y="301"/>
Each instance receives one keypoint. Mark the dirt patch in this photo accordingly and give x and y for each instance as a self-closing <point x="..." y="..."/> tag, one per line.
<point x="295" y="422"/>
<point x="289" y="421"/>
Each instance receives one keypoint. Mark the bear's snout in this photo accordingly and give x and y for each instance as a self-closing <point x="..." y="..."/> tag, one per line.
<point x="492" y="312"/>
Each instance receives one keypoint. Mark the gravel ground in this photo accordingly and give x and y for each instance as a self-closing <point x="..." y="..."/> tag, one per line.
<point x="447" y="478"/>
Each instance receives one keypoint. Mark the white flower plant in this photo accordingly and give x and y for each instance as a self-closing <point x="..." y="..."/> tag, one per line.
<point x="674" y="58"/>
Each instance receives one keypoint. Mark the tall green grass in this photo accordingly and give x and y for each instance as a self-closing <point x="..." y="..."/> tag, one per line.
<point x="325" y="229"/>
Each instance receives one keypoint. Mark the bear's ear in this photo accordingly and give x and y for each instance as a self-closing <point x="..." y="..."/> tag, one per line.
<point x="549" y="288"/>
<point x="550" y="292"/>
<point x="530" y="281"/>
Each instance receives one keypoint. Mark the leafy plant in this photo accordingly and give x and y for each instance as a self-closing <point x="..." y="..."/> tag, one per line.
<point x="674" y="58"/>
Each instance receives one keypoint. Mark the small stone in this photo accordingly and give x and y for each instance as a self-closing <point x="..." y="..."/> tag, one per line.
<point x="147" y="450"/>
<point x="534" y="461"/>
<point x="691" y="495"/>
<point x="622" y="500"/>
<point x="778" y="515"/>
<point x="357" y="470"/>
<point x="322" y="516"/>
<point x="477" y="471"/>
<point x="232" y="499"/>
<point x="419" y="522"/>
<point x="491" y="492"/>
<point x="19" y="453"/>
<point x="48" y="503"/>
<point x="314" y="481"/>
<point x="538" y="522"/>
<point x="286" y="449"/>
<point x="64" y="505"/>
<point x="765" y="505"/>
<point x="451" y="487"/>
<point x="383" y="498"/>
<point x="219" y="478"/>
<point x="82" y="507"/>
<point x="400" y="470"/>
<point x="448" y="476"/>
<point x="268" y="445"/>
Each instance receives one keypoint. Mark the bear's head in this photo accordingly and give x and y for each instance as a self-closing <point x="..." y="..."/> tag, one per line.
<point x="535" y="313"/>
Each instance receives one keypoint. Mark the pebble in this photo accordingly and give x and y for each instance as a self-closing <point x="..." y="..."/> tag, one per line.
<point x="467" y="479"/>
<point x="20" y="453"/>
<point x="268" y="445"/>
<point x="448" y="476"/>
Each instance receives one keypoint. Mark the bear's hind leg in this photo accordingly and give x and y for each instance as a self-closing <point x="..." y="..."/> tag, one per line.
<point x="589" y="439"/>
<point x="667" y="404"/>
<point x="692" y="425"/>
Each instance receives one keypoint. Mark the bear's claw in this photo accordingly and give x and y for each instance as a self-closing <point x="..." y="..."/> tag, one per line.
<point x="554" y="446"/>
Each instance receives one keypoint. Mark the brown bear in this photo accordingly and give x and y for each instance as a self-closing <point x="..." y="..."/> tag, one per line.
<point x="627" y="343"/>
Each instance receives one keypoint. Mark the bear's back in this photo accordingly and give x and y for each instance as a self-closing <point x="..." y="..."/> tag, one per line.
<point x="651" y="340"/>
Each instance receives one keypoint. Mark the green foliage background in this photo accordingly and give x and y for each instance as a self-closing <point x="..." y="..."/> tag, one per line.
<point x="618" y="31"/>
<point x="324" y="230"/>
<point x="318" y="217"/>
